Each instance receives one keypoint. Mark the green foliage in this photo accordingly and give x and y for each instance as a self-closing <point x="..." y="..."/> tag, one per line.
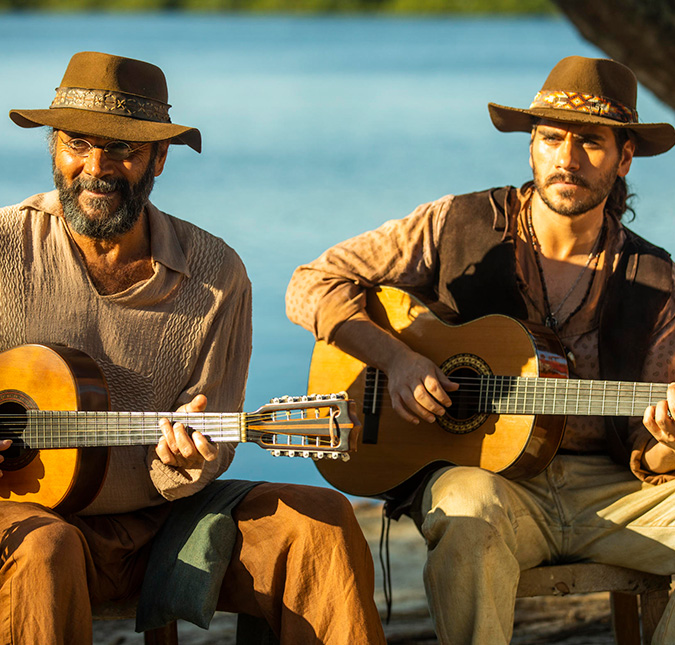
<point x="290" y="6"/>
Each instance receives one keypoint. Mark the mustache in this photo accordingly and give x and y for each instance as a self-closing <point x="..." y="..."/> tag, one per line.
<point x="568" y="178"/>
<point x="108" y="185"/>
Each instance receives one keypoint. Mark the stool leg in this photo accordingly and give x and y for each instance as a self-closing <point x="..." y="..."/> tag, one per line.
<point x="625" y="618"/>
<point x="652" y="606"/>
<point x="167" y="635"/>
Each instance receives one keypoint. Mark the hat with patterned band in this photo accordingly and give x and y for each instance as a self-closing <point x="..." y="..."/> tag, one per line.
<point x="111" y="97"/>
<point x="588" y="90"/>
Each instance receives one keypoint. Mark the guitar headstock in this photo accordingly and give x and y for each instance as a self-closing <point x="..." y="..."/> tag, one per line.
<point x="320" y="426"/>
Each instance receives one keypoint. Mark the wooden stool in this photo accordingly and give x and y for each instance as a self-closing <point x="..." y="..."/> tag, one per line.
<point x="624" y="585"/>
<point x="251" y="630"/>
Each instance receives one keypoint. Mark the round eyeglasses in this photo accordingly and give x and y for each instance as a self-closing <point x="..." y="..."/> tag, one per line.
<point x="114" y="150"/>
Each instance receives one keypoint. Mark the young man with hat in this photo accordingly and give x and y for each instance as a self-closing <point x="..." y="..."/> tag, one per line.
<point x="554" y="253"/>
<point x="164" y="308"/>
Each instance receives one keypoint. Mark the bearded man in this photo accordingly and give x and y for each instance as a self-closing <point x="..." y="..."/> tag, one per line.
<point x="164" y="308"/>
<point x="556" y="253"/>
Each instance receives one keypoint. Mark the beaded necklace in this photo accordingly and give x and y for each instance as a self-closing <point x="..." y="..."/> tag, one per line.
<point x="594" y="256"/>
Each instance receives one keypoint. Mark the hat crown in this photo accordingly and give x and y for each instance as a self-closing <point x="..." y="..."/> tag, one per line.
<point x="97" y="71"/>
<point x="594" y="76"/>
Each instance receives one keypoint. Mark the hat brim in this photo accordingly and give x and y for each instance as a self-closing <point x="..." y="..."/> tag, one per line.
<point x="651" y="138"/>
<point x="109" y="126"/>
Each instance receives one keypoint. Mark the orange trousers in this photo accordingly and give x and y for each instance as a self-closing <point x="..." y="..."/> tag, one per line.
<point x="300" y="561"/>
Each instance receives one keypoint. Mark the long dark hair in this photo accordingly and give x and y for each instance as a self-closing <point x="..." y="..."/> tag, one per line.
<point x="618" y="199"/>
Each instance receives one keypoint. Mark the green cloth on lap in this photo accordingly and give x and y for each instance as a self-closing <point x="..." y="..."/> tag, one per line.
<point x="189" y="557"/>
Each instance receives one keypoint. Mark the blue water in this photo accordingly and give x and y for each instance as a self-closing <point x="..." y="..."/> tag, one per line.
<point x="315" y="129"/>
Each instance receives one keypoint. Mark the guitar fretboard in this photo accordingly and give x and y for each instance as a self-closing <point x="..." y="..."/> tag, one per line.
<point x="531" y="395"/>
<point x="84" y="429"/>
<point x="522" y="395"/>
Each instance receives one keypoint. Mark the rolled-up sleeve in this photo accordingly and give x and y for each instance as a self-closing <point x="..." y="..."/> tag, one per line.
<point x="403" y="253"/>
<point x="220" y="374"/>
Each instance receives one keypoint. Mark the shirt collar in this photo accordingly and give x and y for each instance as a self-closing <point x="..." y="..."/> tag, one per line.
<point x="165" y="246"/>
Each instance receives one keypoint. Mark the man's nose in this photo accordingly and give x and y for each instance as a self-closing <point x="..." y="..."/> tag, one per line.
<point x="97" y="163"/>
<point x="568" y="154"/>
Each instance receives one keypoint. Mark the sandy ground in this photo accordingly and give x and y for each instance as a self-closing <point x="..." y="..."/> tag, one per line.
<point x="572" y="620"/>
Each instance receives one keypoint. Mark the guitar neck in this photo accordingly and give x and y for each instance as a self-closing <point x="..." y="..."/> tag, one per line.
<point x="80" y="429"/>
<point x="522" y="395"/>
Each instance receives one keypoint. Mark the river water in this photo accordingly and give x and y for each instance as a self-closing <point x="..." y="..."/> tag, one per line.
<point x="314" y="129"/>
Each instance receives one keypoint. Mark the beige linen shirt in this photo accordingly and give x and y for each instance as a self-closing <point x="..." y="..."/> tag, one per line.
<point x="185" y="330"/>
<point x="404" y="253"/>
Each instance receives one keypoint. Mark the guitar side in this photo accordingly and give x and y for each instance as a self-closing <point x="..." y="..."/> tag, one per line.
<point x="51" y="378"/>
<point x="516" y="446"/>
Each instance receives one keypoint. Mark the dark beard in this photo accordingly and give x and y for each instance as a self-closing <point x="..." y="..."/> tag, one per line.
<point x="108" y="224"/>
<point x="598" y="191"/>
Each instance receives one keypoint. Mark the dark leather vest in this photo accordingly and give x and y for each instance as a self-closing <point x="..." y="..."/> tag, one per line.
<point x="477" y="277"/>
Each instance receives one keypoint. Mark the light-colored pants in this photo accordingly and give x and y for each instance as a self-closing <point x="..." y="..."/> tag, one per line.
<point x="482" y="530"/>
<point x="299" y="560"/>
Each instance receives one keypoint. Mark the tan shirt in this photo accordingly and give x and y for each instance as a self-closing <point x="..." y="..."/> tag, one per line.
<point x="186" y="330"/>
<point x="404" y="253"/>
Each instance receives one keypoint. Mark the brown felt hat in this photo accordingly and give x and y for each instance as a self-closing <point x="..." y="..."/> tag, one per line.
<point x="588" y="90"/>
<point x="111" y="97"/>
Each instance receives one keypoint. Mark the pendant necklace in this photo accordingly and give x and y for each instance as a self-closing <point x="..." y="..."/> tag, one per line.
<point x="593" y="257"/>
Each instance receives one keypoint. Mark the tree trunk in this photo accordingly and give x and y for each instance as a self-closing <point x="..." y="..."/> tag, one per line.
<point x="638" y="33"/>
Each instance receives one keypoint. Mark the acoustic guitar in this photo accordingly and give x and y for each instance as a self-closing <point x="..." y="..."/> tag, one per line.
<point x="507" y="416"/>
<point x="54" y="407"/>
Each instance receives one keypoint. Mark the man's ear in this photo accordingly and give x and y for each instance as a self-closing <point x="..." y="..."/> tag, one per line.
<point x="626" y="157"/>
<point x="160" y="159"/>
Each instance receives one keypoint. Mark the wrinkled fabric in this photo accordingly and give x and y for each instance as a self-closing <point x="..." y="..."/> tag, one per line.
<point x="189" y="557"/>
<point x="403" y="253"/>
<point x="186" y="330"/>
<point x="482" y="530"/>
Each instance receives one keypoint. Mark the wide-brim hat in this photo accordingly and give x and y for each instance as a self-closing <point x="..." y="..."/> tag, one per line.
<point x="588" y="90"/>
<point x="113" y="97"/>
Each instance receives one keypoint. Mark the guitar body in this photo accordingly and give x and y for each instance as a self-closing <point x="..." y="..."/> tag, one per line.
<point x="51" y="378"/>
<point x="390" y="450"/>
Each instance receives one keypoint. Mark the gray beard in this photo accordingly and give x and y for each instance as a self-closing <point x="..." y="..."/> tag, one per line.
<point x="108" y="224"/>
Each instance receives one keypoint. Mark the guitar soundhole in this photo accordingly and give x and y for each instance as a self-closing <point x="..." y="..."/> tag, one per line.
<point x="464" y="415"/>
<point x="12" y="426"/>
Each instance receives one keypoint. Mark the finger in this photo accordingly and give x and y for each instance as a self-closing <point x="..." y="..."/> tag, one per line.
<point x="671" y="400"/>
<point x="662" y="416"/>
<point x="164" y="453"/>
<point x="424" y="408"/>
<point x="198" y="404"/>
<point x="651" y="421"/>
<point x="428" y="402"/>
<point x="402" y="410"/>
<point x="185" y="446"/>
<point x="169" y="435"/>
<point x="444" y="379"/>
<point x="439" y="390"/>
<point x="207" y="449"/>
